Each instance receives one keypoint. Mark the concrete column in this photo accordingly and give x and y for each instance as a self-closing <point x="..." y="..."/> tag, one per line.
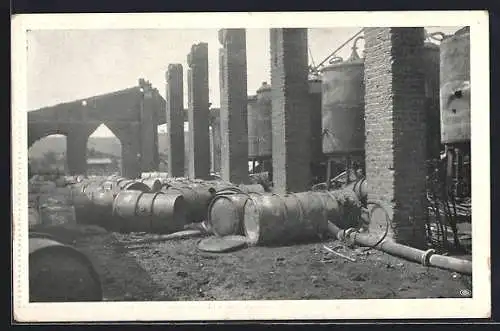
<point x="131" y="148"/>
<point x="175" y="120"/>
<point x="76" y="151"/>
<point x="149" y="128"/>
<point x="290" y="118"/>
<point x="233" y="111"/>
<point x="395" y="128"/>
<point x="198" y="113"/>
<point x="215" y="139"/>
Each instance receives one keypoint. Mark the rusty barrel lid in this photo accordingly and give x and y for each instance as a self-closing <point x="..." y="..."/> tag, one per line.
<point x="222" y="244"/>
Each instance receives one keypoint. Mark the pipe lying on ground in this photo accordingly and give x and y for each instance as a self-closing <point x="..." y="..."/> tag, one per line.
<point x="426" y="258"/>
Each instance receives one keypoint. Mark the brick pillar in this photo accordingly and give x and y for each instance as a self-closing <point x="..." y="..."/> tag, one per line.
<point x="233" y="110"/>
<point x="149" y="128"/>
<point x="175" y="120"/>
<point x="396" y="129"/>
<point x="316" y="129"/>
<point x="290" y="118"/>
<point x="198" y="112"/>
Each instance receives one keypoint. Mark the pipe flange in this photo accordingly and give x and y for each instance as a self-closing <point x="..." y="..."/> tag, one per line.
<point x="426" y="257"/>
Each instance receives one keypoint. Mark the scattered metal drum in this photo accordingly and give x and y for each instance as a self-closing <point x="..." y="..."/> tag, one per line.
<point x="343" y="106"/>
<point x="146" y="175"/>
<point x="273" y="219"/>
<point x="343" y="206"/>
<point x="455" y="87"/>
<point x="154" y="184"/>
<point x="93" y="203"/>
<point x="264" y="121"/>
<point x="159" y="212"/>
<point x="225" y="214"/>
<point x="197" y="198"/>
<point x="251" y="188"/>
<point x="253" y="115"/>
<point x="131" y="184"/>
<point x="60" y="273"/>
<point x="57" y="214"/>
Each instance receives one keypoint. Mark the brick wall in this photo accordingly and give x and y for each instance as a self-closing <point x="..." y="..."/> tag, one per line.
<point x="233" y="110"/>
<point x="396" y="129"/>
<point x="175" y="120"/>
<point x="198" y="114"/>
<point x="290" y="118"/>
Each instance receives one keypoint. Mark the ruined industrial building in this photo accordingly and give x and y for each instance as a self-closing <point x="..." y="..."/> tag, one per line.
<point x="342" y="180"/>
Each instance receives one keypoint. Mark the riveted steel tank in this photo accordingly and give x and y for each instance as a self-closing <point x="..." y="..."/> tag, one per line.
<point x="264" y="128"/>
<point x="431" y="72"/>
<point x="455" y="87"/>
<point x="343" y="106"/>
<point x="253" y="127"/>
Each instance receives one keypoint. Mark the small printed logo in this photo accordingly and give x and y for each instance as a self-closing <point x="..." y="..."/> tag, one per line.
<point x="465" y="293"/>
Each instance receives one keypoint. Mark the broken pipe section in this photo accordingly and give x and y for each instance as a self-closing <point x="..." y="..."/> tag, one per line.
<point x="426" y="258"/>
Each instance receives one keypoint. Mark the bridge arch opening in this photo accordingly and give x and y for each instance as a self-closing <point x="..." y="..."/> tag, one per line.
<point x="47" y="155"/>
<point x="104" y="153"/>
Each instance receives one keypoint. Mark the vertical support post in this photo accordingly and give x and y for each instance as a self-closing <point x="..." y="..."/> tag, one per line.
<point x="175" y="120"/>
<point x="290" y="121"/>
<point x="395" y="127"/>
<point x="233" y="111"/>
<point x="198" y="113"/>
<point x="76" y="151"/>
<point x="149" y="128"/>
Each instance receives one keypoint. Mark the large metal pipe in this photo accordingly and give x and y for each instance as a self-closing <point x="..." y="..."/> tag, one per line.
<point x="426" y="258"/>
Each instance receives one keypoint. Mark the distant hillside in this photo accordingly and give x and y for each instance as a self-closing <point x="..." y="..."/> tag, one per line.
<point x="107" y="145"/>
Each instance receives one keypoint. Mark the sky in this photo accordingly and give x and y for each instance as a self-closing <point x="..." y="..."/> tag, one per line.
<point x="65" y="65"/>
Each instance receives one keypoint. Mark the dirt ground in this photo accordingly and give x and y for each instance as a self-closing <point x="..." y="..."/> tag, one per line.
<point x="177" y="270"/>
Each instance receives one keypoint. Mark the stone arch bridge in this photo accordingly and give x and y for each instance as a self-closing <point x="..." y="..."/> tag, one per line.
<point x="132" y="114"/>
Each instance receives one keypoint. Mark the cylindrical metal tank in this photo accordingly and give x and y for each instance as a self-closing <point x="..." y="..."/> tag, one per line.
<point x="455" y="87"/>
<point x="343" y="107"/>
<point x="264" y="127"/>
<point x="253" y="115"/>
<point x="315" y="110"/>
<point x="60" y="273"/>
<point x="431" y="76"/>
